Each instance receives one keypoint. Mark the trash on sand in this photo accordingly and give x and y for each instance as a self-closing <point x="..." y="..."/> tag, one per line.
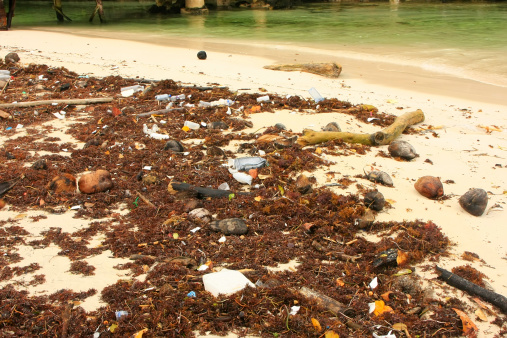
<point x="264" y="98"/>
<point x="315" y="95"/>
<point x="226" y="282"/>
<point x="242" y="177"/>
<point x="294" y="310"/>
<point x="247" y="163"/>
<point x="120" y="314"/>
<point x="389" y="335"/>
<point x="129" y="91"/>
<point x="152" y="132"/>
<point x="191" y="125"/>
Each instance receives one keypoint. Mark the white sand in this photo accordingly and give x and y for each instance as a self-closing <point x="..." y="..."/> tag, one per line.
<point x="462" y="152"/>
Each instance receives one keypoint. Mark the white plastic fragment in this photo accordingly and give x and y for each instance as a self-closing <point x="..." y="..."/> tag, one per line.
<point x="225" y="282"/>
<point x="222" y="239"/>
<point x="153" y="132"/>
<point x="147" y="167"/>
<point x="58" y="115"/>
<point x="294" y="310"/>
<point x="374" y="283"/>
<point x="224" y="186"/>
<point x="129" y="91"/>
<point x="76" y="207"/>
<point x="264" y="98"/>
<point x="371" y="307"/>
<point x="389" y="335"/>
<point x="194" y="230"/>
<point x="19" y="126"/>
<point x="242" y="178"/>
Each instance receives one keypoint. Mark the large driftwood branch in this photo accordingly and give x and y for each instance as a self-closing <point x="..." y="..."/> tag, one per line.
<point x="383" y="137"/>
<point x="474" y="289"/>
<point x="48" y="102"/>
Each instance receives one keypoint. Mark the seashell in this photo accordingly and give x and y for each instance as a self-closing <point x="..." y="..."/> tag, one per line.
<point x="200" y="213"/>
<point x="402" y="149"/>
<point x="374" y="200"/>
<point x="380" y="177"/>
<point x="96" y="181"/>
<point x="63" y="183"/>
<point x="429" y="186"/>
<point x="174" y="145"/>
<point x="332" y="126"/>
<point x="474" y="201"/>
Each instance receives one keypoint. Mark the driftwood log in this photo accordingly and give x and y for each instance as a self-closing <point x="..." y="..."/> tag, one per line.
<point x="49" y="102"/>
<point x="383" y="137"/>
<point x="330" y="69"/>
<point x="473" y="289"/>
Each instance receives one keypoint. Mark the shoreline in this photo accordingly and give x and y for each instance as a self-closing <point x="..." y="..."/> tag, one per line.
<point x="380" y="75"/>
<point x="452" y="146"/>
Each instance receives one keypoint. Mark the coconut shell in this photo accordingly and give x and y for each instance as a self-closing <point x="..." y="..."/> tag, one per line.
<point x="430" y="187"/>
<point x="174" y="145"/>
<point x="374" y="200"/>
<point x="63" y="183"/>
<point x="402" y="149"/>
<point x="474" y="201"/>
<point x="200" y="213"/>
<point x="331" y="126"/>
<point x="380" y="177"/>
<point x="96" y="181"/>
<point x="303" y="184"/>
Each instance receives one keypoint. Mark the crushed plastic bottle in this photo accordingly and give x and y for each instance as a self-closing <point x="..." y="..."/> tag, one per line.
<point x="263" y="98"/>
<point x="163" y="97"/>
<point x="247" y="163"/>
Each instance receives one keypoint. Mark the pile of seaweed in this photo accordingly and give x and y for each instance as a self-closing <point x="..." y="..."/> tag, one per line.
<point x="318" y="227"/>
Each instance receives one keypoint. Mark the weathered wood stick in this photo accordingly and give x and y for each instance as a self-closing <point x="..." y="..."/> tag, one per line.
<point x="474" y="289"/>
<point x="49" y="102"/>
<point x="323" y="300"/>
<point x="329" y="303"/>
<point x="383" y="137"/>
<point x="200" y="192"/>
<point x="159" y="112"/>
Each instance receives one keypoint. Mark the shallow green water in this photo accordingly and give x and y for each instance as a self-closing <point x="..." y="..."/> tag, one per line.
<point x="468" y="40"/>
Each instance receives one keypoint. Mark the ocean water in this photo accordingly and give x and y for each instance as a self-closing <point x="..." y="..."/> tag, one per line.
<point x="466" y="40"/>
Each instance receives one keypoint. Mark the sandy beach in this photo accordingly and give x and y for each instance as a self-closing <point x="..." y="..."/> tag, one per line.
<point x="463" y="140"/>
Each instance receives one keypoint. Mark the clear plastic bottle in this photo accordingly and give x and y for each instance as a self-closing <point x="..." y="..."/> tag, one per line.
<point x="163" y="97"/>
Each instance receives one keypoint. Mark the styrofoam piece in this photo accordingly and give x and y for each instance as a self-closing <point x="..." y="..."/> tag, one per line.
<point x="225" y="282"/>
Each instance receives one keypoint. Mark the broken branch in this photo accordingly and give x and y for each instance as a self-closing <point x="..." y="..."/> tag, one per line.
<point x="383" y="137"/>
<point x="473" y="289"/>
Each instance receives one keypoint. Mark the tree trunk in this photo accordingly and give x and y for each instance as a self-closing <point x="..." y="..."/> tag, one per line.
<point x="383" y="137"/>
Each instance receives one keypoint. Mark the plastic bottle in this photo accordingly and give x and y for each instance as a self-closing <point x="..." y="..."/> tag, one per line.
<point x="177" y="97"/>
<point x="192" y="125"/>
<point x="163" y="97"/>
<point x="315" y="95"/>
<point x="247" y="163"/>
